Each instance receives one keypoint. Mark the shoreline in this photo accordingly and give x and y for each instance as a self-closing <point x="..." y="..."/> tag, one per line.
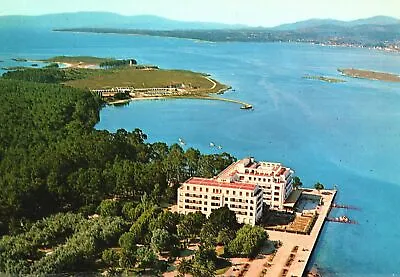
<point x="322" y="44"/>
<point x="206" y="97"/>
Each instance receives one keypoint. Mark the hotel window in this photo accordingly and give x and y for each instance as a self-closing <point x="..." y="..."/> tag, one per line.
<point x="247" y="194"/>
<point x="205" y="202"/>
<point x="241" y="177"/>
<point x="213" y="190"/>
<point x="251" y="214"/>
<point x="276" y="199"/>
<point x="194" y="188"/>
<point x="234" y="192"/>
<point x="240" y="193"/>
<point x="206" y="189"/>
<point x="201" y="189"/>
<point x="259" y="179"/>
<point x="205" y="196"/>
<point x="226" y="198"/>
<point x="277" y="188"/>
<point x="205" y="208"/>
<point x="264" y="180"/>
<point x="227" y="192"/>
<point x="187" y="187"/>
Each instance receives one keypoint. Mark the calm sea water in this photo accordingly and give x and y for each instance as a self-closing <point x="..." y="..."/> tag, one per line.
<point x="346" y="134"/>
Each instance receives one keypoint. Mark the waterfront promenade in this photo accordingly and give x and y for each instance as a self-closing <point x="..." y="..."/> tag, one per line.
<point x="303" y="243"/>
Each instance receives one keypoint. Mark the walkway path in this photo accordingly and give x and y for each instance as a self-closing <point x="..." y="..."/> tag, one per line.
<point x="305" y="243"/>
<point x="212" y="81"/>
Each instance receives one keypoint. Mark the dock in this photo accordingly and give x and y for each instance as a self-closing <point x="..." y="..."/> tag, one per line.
<point x="292" y="257"/>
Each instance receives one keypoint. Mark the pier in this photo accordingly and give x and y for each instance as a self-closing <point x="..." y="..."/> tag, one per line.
<point x="292" y="257"/>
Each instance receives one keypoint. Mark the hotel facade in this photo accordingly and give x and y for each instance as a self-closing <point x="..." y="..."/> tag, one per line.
<point x="242" y="187"/>
<point x="275" y="179"/>
<point x="205" y="195"/>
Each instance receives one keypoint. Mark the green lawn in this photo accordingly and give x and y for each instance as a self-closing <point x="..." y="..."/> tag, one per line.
<point x="78" y="59"/>
<point x="196" y="83"/>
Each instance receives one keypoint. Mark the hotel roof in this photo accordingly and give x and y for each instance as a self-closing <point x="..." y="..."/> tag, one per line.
<point x="215" y="183"/>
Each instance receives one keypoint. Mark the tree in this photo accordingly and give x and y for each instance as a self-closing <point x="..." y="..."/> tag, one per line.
<point x="248" y="241"/>
<point x="223" y="218"/>
<point x="161" y="240"/>
<point x="184" y="267"/>
<point x="110" y="257"/>
<point x="190" y="226"/>
<point x="109" y="207"/>
<point x="146" y="257"/>
<point x="208" y="234"/>
<point x="225" y="236"/>
<point x="297" y="182"/>
<point x="128" y="243"/>
<point x="318" y="186"/>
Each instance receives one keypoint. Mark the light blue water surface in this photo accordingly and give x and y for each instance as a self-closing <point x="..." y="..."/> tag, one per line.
<point x="346" y="133"/>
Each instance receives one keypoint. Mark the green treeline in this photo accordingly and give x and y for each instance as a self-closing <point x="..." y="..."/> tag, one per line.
<point x="52" y="159"/>
<point x="117" y="63"/>
<point x="48" y="74"/>
<point x="76" y="199"/>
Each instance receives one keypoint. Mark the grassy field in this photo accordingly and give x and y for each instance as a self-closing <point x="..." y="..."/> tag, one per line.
<point x="195" y="83"/>
<point x="371" y="75"/>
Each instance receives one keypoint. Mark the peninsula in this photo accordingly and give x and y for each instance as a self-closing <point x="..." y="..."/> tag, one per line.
<point x="118" y="81"/>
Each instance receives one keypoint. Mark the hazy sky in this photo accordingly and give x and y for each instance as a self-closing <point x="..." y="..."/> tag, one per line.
<point x="250" y="12"/>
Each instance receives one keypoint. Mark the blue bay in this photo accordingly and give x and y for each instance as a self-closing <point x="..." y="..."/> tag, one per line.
<point x="346" y="134"/>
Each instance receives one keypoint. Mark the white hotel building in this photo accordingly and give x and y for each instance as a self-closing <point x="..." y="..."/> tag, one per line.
<point x="205" y="195"/>
<point x="242" y="187"/>
<point x="275" y="179"/>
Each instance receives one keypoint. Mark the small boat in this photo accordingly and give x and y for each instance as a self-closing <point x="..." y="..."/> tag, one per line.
<point x="219" y="147"/>
<point x="212" y="144"/>
<point x="34" y="64"/>
<point x="342" y="219"/>
<point x="246" y="107"/>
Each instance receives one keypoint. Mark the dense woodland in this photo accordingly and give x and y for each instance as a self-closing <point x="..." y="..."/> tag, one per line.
<point x="57" y="171"/>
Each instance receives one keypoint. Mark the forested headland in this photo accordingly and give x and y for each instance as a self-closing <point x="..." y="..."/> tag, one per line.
<point x="79" y="199"/>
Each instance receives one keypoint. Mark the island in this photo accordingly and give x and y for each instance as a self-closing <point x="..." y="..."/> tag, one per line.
<point x="324" y="79"/>
<point x="369" y="74"/>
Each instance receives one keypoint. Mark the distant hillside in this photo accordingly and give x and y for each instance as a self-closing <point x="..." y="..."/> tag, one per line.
<point x="359" y="35"/>
<point x="102" y="20"/>
<point x="312" y="23"/>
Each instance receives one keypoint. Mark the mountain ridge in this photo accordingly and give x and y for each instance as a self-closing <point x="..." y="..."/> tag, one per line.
<point x="106" y="19"/>
<point x="153" y="22"/>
